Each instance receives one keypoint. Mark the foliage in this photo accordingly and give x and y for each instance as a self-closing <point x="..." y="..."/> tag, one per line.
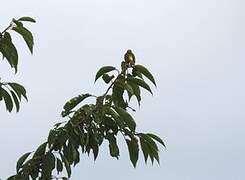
<point x="11" y="92"/>
<point x="88" y="125"/>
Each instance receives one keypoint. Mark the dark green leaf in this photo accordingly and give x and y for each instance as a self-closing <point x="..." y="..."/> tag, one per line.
<point x="73" y="136"/>
<point x="155" y="137"/>
<point x="35" y="172"/>
<point x="9" y="51"/>
<point x="7" y="99"/>
<point x="95" y="151"/>
<point x="117" y="92"/>
<point x="106" y="78"/>
<point x="27" y="19"/>
<point x="48" y="164"/>
<point x="140" y="82"/>
<point x="152" y="147"/>
<point x="150" y="141"/>
<point x="155" y="154"/>
<point x="1" y="95"/>
<point x="115" y="116"/>
<point x="51" y="137"/>
<point x="114" y="150"/>
<point x="40" y="150"/>
<point x="73" y="103"/>
<point x="129" y="88"/>
<point x="27" y="36"/>
<point x="136" y="73"/>
<point x="110" y="124"/>
<point x="145" y="72"/>
<point x="16" y="101"/>
<point x="66" y="153"/>
<point x="67" y="165"/>
<point x="70" y="152"/>
<point x="19" y="90"/>
<point x="7" y="36"/>
<point x="145" y="149"/>
<point x="133" y="149"/>
<point x="18" y="23"/>
<point x="126" y="117"/>
<point x="103" y="70"/>
<point x="22" y="160"/>
<point x="76" y="156"/>
<point x="136" y="90"/>
<point x="59" y="165"/>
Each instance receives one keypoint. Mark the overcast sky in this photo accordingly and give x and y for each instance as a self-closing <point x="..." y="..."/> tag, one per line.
<point x="194" y="48"/>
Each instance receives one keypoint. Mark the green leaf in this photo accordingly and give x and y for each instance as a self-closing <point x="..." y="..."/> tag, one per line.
<point x="9" y="51"/>
<point x="110" y="124"/>
<point x="51" y="137"/>
<point x="144" y="148"/>
<point x="95" y="148"/>
<point x="103" y="70"/>
<point x="74" y="138"/>
<point x="150" y="141"/>
<point x="69" y="152"/>
<point x="158" y="139"/>
<point x="66" y="153"/>
<point x="16" y="101"/>
<point x="40" y="150"/>
<point x="19" y="90"/>
<point x="117" y="92"/>
<point x="35" y="172"/>
<point x="7" y="99"/>
<point x="133" y="149"/>
<point x="153" y="149"/>
<point x="18" y="23"/>
<point x="114" y="115"/>
<point x="73" y="103"/>
<point x="136" y="73"/>
<point x="48" y="164"/>
<point x="67" y="165"/>
<point x="76" y="156"/>
<point x="61" y="138"/>
<point x="114" y="150"/>
<point x="21" y="161"/>
<point x="7" y="36"/>
<point x="141" y="83"/>
<point x="27" y="36"/>
<point x="136" y="90"/>
<point x="59" y="165"/>
<point x="27" y="19"/>
<point x="126" y="117"/>
<point x="145" y="72"/>
<point x="106" y="78"/>
<point x="129" y="88"/>
<point x="1" y="95"/>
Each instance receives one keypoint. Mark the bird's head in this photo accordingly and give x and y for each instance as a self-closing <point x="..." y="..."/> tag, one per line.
<point x="129" y="51"/>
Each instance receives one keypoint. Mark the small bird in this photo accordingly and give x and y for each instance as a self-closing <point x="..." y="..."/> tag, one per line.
<point x="129" y="57"/>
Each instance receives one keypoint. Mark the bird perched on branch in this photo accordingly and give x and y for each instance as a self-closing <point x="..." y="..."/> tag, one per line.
<point x="129" y="57"/>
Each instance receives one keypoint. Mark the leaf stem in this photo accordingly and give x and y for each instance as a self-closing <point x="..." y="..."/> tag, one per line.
<point x="7" y="28"/>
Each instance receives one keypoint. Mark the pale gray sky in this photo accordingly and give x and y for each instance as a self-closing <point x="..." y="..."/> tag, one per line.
<point x="194" y="48"/>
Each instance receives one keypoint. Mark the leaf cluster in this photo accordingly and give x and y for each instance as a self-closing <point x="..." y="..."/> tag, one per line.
<point x="12" y="92"/>
<point x="91" y="124"/>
